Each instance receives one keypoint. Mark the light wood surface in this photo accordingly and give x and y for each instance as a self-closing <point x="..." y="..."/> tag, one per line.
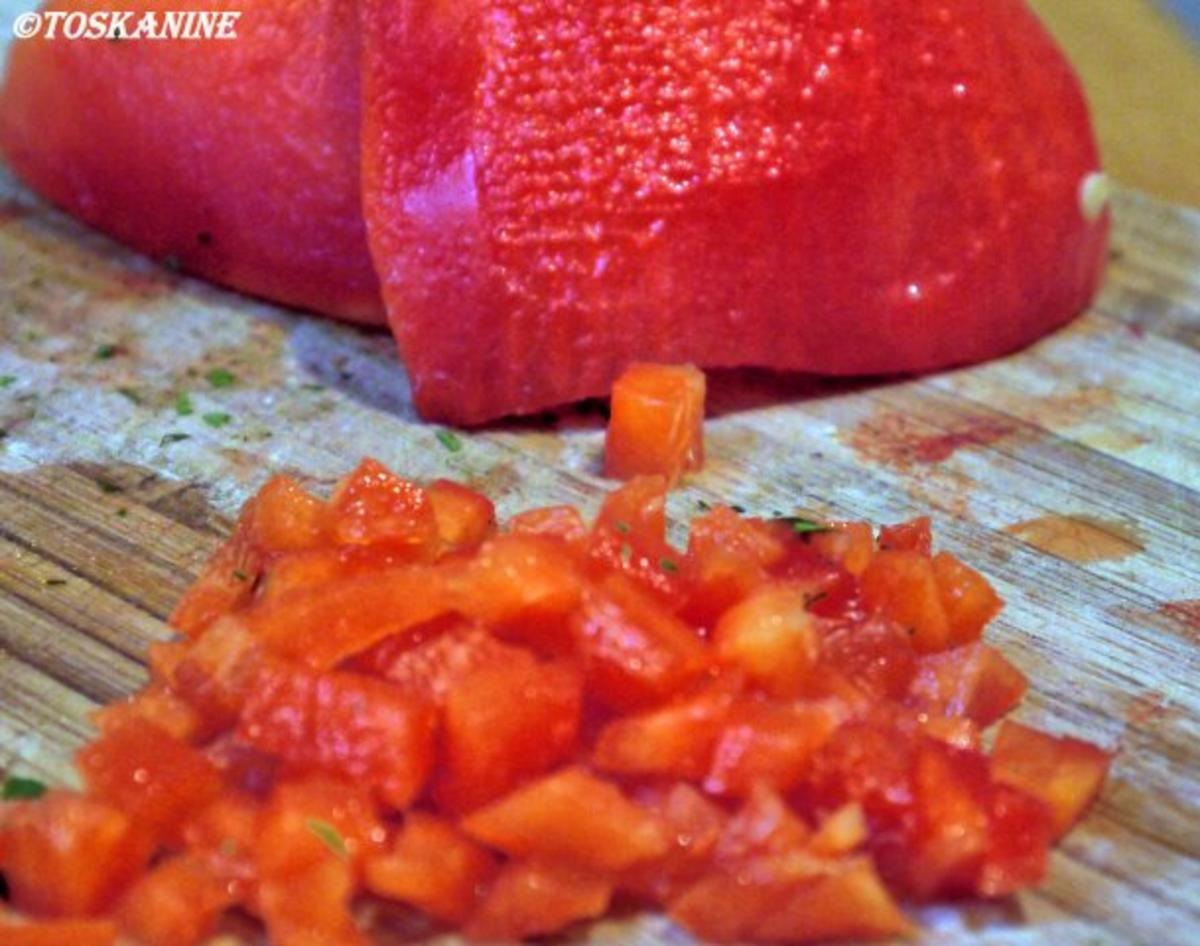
<point x="110" y="500"/>
<point x="1142" y="73"/>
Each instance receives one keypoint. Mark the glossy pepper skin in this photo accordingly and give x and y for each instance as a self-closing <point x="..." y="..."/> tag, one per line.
<point x="237" y="160"/>
<point x="554" y="189"/>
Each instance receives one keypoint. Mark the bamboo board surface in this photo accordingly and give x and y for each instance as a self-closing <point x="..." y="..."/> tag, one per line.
<point x="1069" y="473"/>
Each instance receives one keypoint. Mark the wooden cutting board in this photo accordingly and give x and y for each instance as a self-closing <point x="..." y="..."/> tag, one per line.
<point x="139" y="408"/>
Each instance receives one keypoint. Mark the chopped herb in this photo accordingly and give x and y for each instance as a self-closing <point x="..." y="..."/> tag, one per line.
<point x="108" y="487"/>
<point x="54" y="582"/>
<point x="183" y="404"/>
<point x="802" y="526"/>
<point x="328" y="835"/>
<point x="217" y="418"/>
<point x="622" y="527"/>
<point x="173" y="438"/>
<point x="626" y="553"/>
<point x="106" y="351"/>
<point x="122" y="512"/>
<point x="669" y="565"/>
<point x="240" y="575"/>
<point x="7" y="380"/>
<point x="17" y="788"/>
<point x="130" y="394"/>
<point x="172" y="262"/>
<point x="3" y="433"/>
<point x="311" y="386"/>
<point x="813" y="599"/>
<point x="221" y="378"/>
<point x="449" y="440"/>
<point x="740" y="510"/>
<point x="703" y="505"/>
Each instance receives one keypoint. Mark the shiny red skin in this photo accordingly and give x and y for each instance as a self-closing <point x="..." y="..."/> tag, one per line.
<point x="238" y="160"/>
<point x="556" y="189"/>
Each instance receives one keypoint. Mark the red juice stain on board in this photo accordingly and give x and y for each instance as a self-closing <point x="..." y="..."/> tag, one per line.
<point x="1146" y="709"/>
<point x="1186" y="614"/>
<point x="1084" y="540"/>
<point x="902" y="442"/>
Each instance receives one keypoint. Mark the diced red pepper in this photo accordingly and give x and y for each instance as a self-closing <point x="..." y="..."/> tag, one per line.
<point x="902" y="585"/>
<point x="505" y="722"/>
<point x="152" y="777"/>
<point x="635" y="651"/>
<point x="1064" y="773"/>
<point x="850" y="544"/>
<point x="657" y="423"/>
<point x="67" y="855"/>
<point x="769" y="744"/>
<point x="323" y="625"/>
<point x="574" y="817"/>
<point x="59" y="933"/>
<point x="286" y="517"/>
<point x="374" y="507"/>
<point x="556" y="522"/>
<point x="630" y="537"/>
<point x="315" y="819"/>
<point x="464" y="517"/>
<point x="968" y="599"/>
<point x="727" y="557"/>
<point x="533" y="899"/>
<point x="344" y="724"/>
<point x="695" y="823"/>
<point x="772" y="637"/>
<point x="674" y="741"/>
<point x="311" y="906"/>
<point x="178" y="903"/>
<point x="916" y="535"/>
<point x="432" y="866"/>
<point x="975" y="681"/>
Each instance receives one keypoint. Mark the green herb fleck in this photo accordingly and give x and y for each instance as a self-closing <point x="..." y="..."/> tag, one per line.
<point x="7" y="380"/>
<point x="622" y="527"/>
<point x="173" y="438"/>
<point x="221" y="378"/>
<point x="172" y="262"/>
<point x="450" y="440"/>
<point x="122" y="512"/>
<point x="106" y="351"/>
<point x="802" y="526"/>
<point x="669" y="565"/>
<point x="626" y="554"/>
<point x="311" y="386"/>
<point x="703" y="505"/>
<point x="54" y="582"/>
<point x="130" y="394"/>
<point x="740" y="510"/>
<point x="328" y="835"/>
<point x="217" y="419"/>
<point x="183" y="404"/>
<point x="17" y="788"/>
<point x="107" y="487"/>
<point x="240" y="575"/>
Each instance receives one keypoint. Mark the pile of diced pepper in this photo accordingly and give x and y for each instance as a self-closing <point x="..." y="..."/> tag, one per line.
<point x="386" y="703"/>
